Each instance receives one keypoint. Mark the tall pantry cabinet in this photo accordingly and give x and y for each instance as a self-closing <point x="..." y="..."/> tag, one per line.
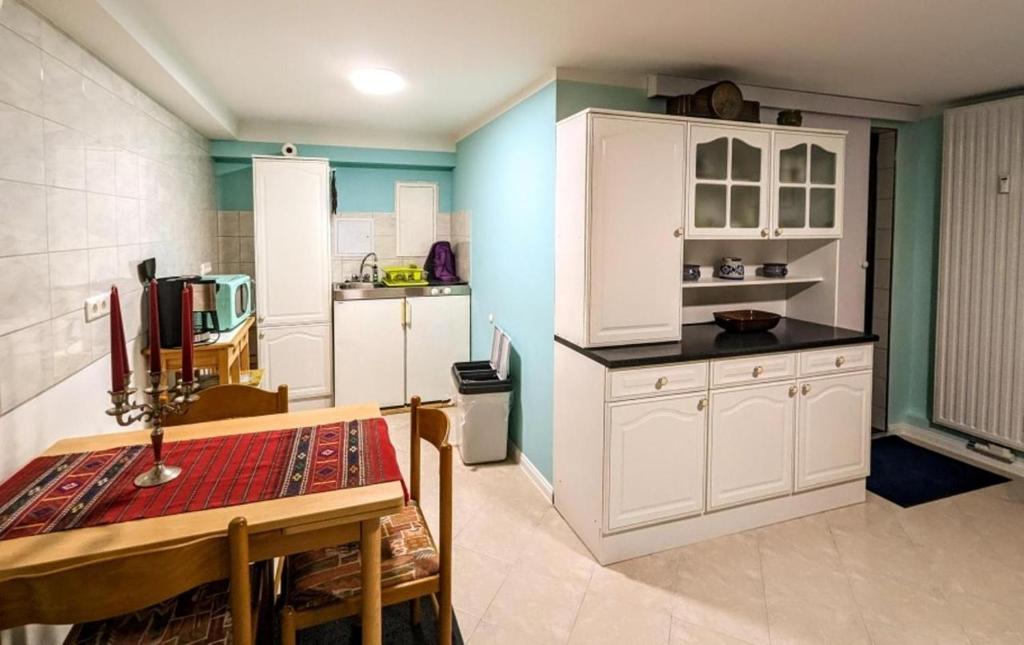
<point x="293" y="276"/>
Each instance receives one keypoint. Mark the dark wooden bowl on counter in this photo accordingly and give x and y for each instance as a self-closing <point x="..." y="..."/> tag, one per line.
<point x="746" y="320"/>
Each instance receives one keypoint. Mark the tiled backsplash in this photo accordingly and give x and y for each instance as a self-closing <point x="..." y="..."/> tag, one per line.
<point x="236" y="252"/>
<point x="94" y="177"/>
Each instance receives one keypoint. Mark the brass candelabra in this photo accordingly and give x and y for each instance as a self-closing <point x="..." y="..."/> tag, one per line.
<point x="162" y="401"/>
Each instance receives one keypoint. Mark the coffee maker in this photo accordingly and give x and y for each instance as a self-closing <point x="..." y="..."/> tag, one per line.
<point x="204" y="305"/>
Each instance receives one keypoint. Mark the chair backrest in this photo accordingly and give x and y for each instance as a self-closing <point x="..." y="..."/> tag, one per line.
<point x="433" y="426"/>
<point x="117" y="585"/>
<point x="230" y="402"/>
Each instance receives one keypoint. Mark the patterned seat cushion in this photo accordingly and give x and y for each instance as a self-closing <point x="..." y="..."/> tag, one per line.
<point x="324" y="576"/>
<point x="201" y="615"/>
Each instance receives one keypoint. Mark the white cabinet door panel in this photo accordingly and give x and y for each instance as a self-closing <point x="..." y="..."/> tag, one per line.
<point x="807" y="185"/>
<point x="655" y="460"/>
<point x="293" y="239"/>
<point x="834" y="430"/>
<point x="415" y="218"/>
<point x="369" y="349"/>
<point x="437" y="335"/>
<point x="636" y="207"/>
<point x="299" y="357"/>
<point x="751" y="452"/>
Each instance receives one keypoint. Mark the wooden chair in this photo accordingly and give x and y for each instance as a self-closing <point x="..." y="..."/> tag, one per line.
<point x="143" y="597"/>
<point x="231" y="401"/>
<point x="324" y="585"/>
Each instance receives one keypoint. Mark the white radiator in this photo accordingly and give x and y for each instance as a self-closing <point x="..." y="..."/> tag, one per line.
<point x="979" y="344"/>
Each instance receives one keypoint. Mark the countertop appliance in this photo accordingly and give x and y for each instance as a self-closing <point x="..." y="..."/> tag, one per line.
<point x="232" y="301"/>
<point x="204" y="314"/>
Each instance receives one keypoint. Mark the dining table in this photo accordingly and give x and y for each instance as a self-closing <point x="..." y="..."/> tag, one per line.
<point x="277" y="527"/>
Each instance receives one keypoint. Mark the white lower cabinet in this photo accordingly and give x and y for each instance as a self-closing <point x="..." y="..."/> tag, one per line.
<point x="369" y="349"/>
<point x="833" y="437"/>
<point x="437" y="333"/>
<point x="655" y="452"/>
<point x="751" y="451"/>
<point x="299" y="357"/>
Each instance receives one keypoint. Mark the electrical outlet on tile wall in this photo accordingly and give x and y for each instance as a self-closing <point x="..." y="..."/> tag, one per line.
<point x="97" y="306"/>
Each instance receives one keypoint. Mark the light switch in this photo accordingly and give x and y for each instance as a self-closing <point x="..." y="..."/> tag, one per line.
<point x="1004" y="184"/>
<point x="97" y="306"/>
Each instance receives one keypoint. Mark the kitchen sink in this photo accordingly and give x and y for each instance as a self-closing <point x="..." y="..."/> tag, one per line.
<point x="356" y="285"/>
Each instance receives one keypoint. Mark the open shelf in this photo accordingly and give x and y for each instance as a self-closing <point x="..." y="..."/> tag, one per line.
<point x="710" y="282"/>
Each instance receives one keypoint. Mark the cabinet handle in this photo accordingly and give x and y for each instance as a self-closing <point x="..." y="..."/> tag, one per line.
<point x="792" y="391"/>
<point x="702" y="404"/>
<point x="806" y="389"/>
<point x="261" y="318"/>
<point x="764" y="232"/>
<point x="263" y="335"/>
<point x="758" y="371"/>
<point x="678" y="232"/>
<point x="840" y="361"/>
<point x="408" y="315"/>
<point x="660" y="383"/>
<point x="778" y="232"/>
<point x="403" y="315"/>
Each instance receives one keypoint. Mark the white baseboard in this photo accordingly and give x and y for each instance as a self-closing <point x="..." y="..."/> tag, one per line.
<point x="542" y="484"/>
<point x="955" y="447"/>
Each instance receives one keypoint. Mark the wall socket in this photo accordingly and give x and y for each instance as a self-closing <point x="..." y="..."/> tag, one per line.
<point x="97" y="306"/>
<point x="205" y="268"/>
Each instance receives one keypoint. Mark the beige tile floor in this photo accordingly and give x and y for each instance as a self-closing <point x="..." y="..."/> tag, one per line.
<point x="951" y="571"/>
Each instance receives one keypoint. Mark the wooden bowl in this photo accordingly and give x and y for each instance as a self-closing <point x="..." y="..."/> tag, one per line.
<point x="746" y="320"/>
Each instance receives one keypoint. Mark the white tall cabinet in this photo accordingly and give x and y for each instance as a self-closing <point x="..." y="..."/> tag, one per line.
<point x="293" y="275"/>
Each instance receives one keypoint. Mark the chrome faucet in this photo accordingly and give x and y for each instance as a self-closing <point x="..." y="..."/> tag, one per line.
<point x="373" y="267"/>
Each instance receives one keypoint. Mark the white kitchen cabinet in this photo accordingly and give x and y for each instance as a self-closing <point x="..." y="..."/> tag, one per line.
<point x="656" y="459"/>
<point x="415" y="218"/>
<point x="298" y="356"/>
<point x="293" y="240"/>
<point x="369" y="348"/>
<point x="727" y="182"/>
<point x="751" y="452"/>
<point x="437" y="335"/>
<point x="833" y="437"/>
<point x="807" y="185"/>
<point x="619" y="194"/>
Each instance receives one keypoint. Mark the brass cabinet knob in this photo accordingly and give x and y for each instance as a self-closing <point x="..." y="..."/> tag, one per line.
<point x="778" y="232"/>
<point x="261" y="318"/>
<point x="702" y="404"/>
<point x="758" y="371"/>
<point x="806" y="389"/>
<point x="840" y="360"/>
<point x="263" y="334"/>
<point x="678" y="232"/>
<point x="792" y="391"/>
<point x="764" y="232"/>
<point x="660" y="383"/>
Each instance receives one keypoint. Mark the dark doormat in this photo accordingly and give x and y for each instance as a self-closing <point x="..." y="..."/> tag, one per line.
<point x="396" y="628"/>
<point x="908" y="475"/>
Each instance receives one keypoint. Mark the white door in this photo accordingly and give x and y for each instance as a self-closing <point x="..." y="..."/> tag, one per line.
<point x="636" y="212"/>
<point x="437" y="335"/>
<point x="807" y="186"/>
<point x="727" y="183"/>
<point x="293" y="238"/>
<point x="415" y="218"/>
<point x="656" y="459"/>
<point x="833" y="437"/>
<point x="369" y="352"/>
<point x="751" y="453"/>
<point x="299" y="357"/>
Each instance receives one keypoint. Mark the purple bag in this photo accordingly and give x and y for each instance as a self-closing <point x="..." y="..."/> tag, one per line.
<point x="440" y="263"/>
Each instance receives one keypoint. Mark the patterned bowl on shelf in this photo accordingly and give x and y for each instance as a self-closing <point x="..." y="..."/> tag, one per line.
<point x="731" y="269"/>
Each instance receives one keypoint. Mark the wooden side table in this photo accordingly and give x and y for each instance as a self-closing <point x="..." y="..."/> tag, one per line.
<point x="229" y="355"/>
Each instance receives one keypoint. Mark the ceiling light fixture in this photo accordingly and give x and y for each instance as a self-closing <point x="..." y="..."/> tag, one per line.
<point x="376" y="81"/>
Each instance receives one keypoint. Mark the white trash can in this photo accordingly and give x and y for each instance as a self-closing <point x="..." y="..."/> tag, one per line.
<point x="482" y="394"/>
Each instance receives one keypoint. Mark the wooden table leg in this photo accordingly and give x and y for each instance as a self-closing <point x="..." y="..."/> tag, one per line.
<point x="236" y="372"/>
<point x="369" y="548"/>
<point x="223" y="369"/>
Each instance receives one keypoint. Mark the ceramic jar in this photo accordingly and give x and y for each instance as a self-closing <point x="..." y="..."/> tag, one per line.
<point x="731" y="269"/>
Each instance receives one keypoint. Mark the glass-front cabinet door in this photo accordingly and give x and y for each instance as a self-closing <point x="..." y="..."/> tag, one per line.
<point x="807" y="185"/>
<point x="727" y="186"/>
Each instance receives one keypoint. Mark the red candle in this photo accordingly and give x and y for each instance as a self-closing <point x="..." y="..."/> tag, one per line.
<point x="118" y="354"/>
<point x="154" y="330"/>
<point x="187" y="341"/>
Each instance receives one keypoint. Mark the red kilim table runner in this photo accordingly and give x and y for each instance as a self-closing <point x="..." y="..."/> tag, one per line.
<point x="62" y="492"/>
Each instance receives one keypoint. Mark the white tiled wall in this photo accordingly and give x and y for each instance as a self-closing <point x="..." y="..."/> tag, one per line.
<point x="451" y="227"/>
<point x="94" y="177"/>
<point x="885" y="193"/>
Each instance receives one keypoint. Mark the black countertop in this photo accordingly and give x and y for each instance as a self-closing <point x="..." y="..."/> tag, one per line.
<point x="708" y="341"/>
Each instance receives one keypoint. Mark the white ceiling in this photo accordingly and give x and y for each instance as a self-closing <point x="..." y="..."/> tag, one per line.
<point x="274" y="70"/>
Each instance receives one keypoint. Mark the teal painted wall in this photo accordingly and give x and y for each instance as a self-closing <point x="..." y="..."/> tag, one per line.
<point x="505" y="177"/>
<point x="914" y="269"/>
<point x="365" y="177"/>
<point x="574" y="96"/>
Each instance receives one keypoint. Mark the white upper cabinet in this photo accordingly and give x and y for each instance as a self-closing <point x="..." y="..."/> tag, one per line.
<point x="727" y="182"/>
<point x="636" y="211"/>
<point x="415" y="218"/>
<point x="807" y="185"/>
<point x="293" y="241"/>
